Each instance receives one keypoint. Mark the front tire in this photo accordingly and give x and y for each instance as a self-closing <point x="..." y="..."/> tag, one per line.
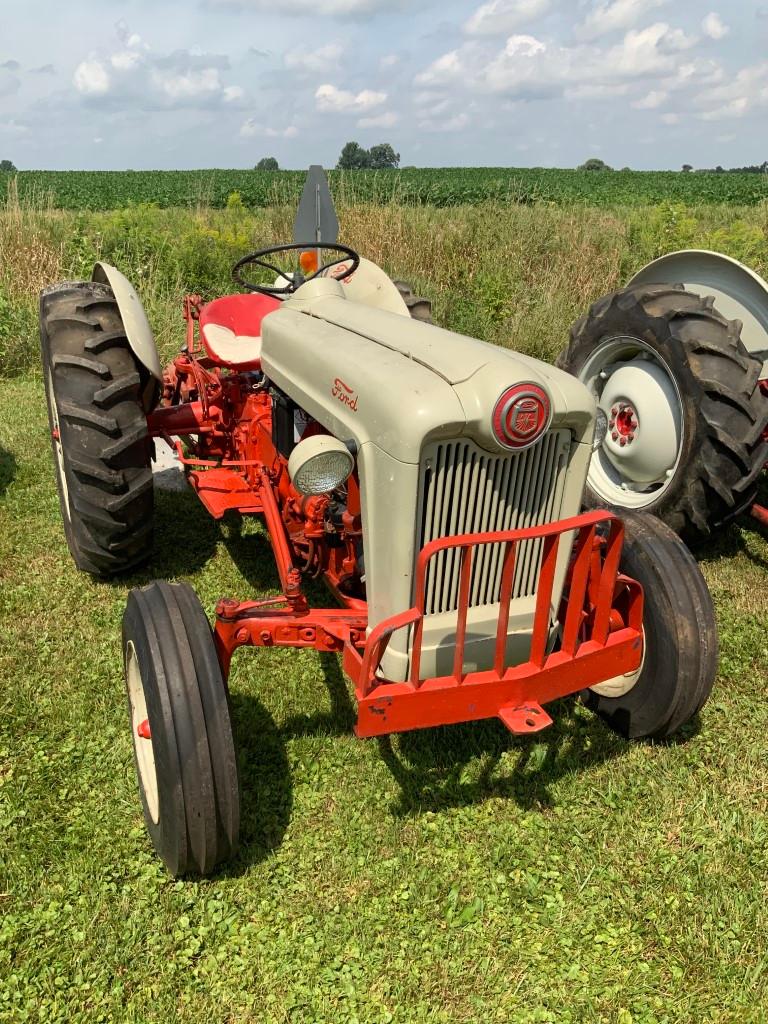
<point x="184" y="750"/>
<point x="681" y="646"/>
<point x="682" y="402"/>
<point x="102" y="456"/>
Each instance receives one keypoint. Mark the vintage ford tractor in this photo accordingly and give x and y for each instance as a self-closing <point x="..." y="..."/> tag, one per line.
<point x="433" y="481"/>
<point x="678" y="364"/>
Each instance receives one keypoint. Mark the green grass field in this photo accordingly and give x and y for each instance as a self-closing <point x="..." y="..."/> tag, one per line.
<point x="455" y="875"/>
<point x="433" y="186"/>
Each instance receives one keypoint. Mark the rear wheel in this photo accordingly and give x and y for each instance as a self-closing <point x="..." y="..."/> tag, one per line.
<point x="419" y="308"/>
<point x="94" y="388"/>
<point x="681" y="402"/>
<point x="680" y="637"/>
<point x="181" y="727"/>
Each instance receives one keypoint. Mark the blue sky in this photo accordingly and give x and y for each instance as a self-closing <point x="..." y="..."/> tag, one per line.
<point x="220" y="83"/>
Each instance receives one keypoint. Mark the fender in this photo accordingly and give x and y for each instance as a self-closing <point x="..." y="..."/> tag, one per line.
<point x="137" y="328"/>
<point x="372" y="286"/>
<point x="739" y="293"/>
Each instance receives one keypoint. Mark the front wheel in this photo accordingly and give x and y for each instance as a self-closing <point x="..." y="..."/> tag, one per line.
<point x="184" y="751"/>
<point x="680" y="637"/>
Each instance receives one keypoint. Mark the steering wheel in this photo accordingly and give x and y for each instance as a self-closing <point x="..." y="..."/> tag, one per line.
<point x="256" y="259"/>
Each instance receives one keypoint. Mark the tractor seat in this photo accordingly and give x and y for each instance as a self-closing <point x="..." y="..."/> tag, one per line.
<point x="231" y="329"/>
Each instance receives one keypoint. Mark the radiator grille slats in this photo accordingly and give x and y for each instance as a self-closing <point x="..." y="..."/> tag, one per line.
<point x="467" y="490"/>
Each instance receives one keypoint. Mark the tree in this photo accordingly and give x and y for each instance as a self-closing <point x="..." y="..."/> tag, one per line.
<point x="8" y="166"/>
<point x="383" y="157"/>
<point x="267" y="163"/>
<point x="593" y="164"/>
<point x="354" y="158"/>
<point x="687" y="168"/>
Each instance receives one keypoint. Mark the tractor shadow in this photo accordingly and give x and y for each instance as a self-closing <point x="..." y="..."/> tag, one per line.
<point x="733" y="540"/>
<point x="185" y="539"/>
<point x="8" y="467"/>
<point x="266" y="789"/>
<point x="460" y="765"/>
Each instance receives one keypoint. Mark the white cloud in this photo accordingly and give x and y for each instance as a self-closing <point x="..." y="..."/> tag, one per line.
<point x="251" y="128"/>
<point x="655" y="98"/>
<point x="713" y="26"/>
<point x="13" y="127"/>
<point x="748" y="89"/>
<point x="456" y="123"/>
<point x="8" y="83"/>
<point x="189" y="85"/>
<point x="329" y="99"/>
<point x="232" y="93"/>
<point x="613" y="15"/>
<point x="386" y="120"/>
<point x="497" y="17"/>
<point x="328" y="8"/>
<point x="91" y="78"/>
<point x="125" y="60"/>
<point x="670" y="118"/>
<point x="389" y="61"/>
<point x="325" y="58"/>
<point x="443" y="70"/>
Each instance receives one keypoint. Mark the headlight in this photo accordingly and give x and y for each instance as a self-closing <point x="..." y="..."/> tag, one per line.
<point x="319" y="465"/>
<point x="601" y="429"/>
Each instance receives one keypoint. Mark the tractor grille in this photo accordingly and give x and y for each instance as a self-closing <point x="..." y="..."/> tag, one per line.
<point x="467" y="490"/>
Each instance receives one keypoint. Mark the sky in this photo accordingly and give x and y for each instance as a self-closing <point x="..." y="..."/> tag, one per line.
<point x="143" y="84"/>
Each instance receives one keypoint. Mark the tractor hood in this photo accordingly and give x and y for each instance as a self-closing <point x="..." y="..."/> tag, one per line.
<point x="375" y="376"/>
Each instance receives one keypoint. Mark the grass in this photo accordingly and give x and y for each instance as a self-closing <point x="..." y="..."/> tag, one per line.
<point x="454" y="875"/>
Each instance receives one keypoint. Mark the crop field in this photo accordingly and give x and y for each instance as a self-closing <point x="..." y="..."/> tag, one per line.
<point x="106" y="190"/>
<point x="451" y="876"/>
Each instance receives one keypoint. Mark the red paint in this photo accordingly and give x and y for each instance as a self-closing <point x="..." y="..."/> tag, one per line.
<point x="521" y="415"/>
<point x="143" y="730"/>
<point x="625" y="421"/>
<point x="241" y="314"/>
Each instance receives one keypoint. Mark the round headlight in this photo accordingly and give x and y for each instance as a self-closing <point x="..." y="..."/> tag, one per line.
<point x="319" y="465"/>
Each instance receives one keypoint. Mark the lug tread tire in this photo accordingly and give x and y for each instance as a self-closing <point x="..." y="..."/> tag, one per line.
<point x="419" y="308"/>
<point x="681" y="635"/>
<point x="190" y="722"/>
<point x="106" y="450"/>
<point x="725" y="413"/>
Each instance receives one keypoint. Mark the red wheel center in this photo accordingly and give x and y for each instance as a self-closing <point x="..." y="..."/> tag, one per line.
<point x="626" y="421"/>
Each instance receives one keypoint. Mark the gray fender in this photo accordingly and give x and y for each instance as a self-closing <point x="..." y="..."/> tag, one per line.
<point x="372" y="286"/>
<point x="137" y="328"/>
<point x="739" y="293"/>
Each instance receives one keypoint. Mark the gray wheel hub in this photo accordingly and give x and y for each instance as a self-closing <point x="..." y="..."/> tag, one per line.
<point x="636" y="391"/>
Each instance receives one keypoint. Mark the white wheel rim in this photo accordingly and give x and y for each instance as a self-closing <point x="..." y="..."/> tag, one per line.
<point x="618" y="686"/>
<point x="145" y="754"/>
<point x="640" y="453"/>
<point x="58" y="450"/>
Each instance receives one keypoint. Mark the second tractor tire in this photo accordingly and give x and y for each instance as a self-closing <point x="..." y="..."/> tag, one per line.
<point x="722" y="410"/>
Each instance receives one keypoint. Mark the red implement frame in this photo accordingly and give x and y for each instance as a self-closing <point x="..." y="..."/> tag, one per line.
<point x="600" y="620"/>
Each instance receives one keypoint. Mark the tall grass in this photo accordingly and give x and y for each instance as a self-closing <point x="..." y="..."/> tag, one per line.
<point x="514" y="275"/>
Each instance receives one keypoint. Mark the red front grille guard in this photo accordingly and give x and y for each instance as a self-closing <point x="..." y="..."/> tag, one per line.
<point x="600" y="637"/>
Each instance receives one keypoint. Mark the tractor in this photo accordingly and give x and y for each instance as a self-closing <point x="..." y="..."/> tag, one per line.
<point x="678" y="364"/>
<point x="433" y="482"/>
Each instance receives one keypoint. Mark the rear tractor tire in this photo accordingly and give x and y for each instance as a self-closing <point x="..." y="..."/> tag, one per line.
<point x="184" y="751"/>
<point x="419" y="308"/>
<point x="94" y="390"/>
<point x="682" y="405"/>
<point x="680" y="653"/>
